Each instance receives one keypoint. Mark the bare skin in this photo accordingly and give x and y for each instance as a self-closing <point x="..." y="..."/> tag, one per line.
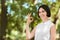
<point x="42" y="14"/>
<point x="29" y="34"/>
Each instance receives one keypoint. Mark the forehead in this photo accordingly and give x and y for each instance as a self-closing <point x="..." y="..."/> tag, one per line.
<point x="41" y="9"/>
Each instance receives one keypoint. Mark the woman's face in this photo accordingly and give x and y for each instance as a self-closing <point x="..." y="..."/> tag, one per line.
<point x="42" y="13"/>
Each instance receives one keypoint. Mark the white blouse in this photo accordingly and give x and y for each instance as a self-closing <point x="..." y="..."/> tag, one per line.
<point x="43" y="31"/>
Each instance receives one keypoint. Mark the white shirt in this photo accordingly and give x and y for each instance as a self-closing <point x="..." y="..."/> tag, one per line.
<point x="43" y="31"/>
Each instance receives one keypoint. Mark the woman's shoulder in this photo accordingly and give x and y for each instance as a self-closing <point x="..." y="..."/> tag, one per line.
<point x="52" y="24"/>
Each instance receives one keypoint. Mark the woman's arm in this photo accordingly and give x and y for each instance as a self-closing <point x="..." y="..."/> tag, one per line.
<point x="53" y="32"/>
<point x="29" y="35"/>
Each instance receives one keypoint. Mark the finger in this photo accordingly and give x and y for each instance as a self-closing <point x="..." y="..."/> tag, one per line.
<point x="29" y="14"/>
<point x="31" y="18"/>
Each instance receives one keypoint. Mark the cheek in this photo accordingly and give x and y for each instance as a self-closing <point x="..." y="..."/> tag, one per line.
<point x="45" y="14"/>
<point x="39" y="14"/>
<point x="42" y="14"/>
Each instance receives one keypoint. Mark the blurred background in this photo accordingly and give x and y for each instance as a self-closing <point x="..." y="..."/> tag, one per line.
<point x="13" y="16"/>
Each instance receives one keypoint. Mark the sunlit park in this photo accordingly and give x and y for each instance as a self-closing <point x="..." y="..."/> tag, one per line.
<point x="13" y="16"/>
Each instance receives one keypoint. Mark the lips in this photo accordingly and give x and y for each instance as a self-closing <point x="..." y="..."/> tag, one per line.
<point x="42" y="15"/>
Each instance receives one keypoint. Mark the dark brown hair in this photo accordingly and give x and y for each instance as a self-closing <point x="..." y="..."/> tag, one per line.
<point x="46" y="8"/>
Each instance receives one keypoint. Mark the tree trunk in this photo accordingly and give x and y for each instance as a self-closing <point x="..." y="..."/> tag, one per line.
<point x="3" y="20"/>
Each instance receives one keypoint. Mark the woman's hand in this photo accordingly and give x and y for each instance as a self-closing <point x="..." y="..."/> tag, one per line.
<point x="29" y="19"/>
<point x="29" y="35"/>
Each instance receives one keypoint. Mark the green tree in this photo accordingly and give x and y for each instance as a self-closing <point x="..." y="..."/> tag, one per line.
<point x="17" y="16"/>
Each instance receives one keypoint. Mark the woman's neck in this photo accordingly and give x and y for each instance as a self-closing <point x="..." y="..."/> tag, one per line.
<point x="45" y="19"/>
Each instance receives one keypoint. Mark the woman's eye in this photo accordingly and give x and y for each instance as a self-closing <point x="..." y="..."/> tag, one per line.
<point x="42" y="11"/>
<point x="39" y="12"/>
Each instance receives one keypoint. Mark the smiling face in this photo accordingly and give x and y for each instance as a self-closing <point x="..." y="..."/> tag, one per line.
<point x="42" y="13"/>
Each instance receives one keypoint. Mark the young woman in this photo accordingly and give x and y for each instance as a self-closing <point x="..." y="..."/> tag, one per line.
<point x="43" y="31"/>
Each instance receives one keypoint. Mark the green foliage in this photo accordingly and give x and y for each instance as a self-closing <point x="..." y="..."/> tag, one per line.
<point x="17" y="17"/>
